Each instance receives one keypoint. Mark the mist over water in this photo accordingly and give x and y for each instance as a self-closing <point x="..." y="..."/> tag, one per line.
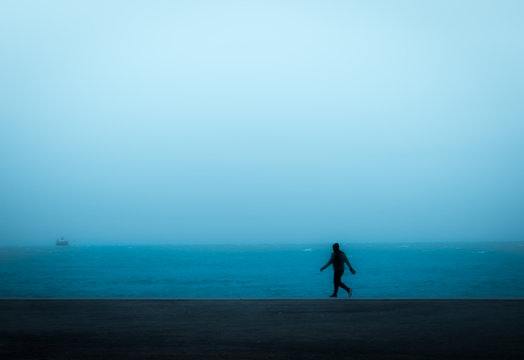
<point x="261" y="121"/>
<point x="423" y="270"/>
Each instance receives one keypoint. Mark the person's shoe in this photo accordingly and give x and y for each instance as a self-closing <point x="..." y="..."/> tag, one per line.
<point x="350" y="292"/>
<point x="333" y="295"/>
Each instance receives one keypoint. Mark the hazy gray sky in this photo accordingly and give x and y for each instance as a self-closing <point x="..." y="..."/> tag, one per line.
<point x="244" y="121"/>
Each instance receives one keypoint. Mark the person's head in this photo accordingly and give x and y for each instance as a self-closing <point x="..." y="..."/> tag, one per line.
<point x="336" y="247"/>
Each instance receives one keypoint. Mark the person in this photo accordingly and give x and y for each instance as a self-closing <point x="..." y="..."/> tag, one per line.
<point x="338" y="260"/>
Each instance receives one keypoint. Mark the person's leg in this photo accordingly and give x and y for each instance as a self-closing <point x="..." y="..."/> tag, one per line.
<point x="336" y="281"/>
<point x="338" y="278"/>
<point x="342" y="285"/>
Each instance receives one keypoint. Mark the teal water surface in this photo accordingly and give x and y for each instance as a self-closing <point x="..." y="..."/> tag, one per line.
<point x="262" y="271"/>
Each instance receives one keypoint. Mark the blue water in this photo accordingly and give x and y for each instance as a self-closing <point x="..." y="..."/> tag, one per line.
<point x="262" y="271"/>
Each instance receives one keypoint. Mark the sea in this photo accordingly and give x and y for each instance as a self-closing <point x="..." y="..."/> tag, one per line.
<point x="399" y="270"/>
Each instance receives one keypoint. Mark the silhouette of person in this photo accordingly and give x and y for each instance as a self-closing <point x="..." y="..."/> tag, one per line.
<point x="338" y="259"/>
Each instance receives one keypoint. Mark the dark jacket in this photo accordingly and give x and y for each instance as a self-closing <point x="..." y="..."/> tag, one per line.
<point x="338" y="259"/>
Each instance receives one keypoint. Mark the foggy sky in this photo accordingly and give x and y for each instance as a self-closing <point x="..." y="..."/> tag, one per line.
<point x="261" y="121"/>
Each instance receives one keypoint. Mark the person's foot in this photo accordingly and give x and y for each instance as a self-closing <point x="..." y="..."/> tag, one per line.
<point x="333" y="295"/>
<point x="350" y="292"/>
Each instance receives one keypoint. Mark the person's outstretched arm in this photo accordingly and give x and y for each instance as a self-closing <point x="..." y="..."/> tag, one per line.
<point x="328" y="263"/>
<point x="349" y="266"/>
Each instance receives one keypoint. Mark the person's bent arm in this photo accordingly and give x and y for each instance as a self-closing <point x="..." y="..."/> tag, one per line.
<point x="350" y="267"/>
<point x="328" y="263"/>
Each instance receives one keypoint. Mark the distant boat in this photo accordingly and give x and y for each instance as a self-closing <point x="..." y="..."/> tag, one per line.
<point x="62" y="242"/>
